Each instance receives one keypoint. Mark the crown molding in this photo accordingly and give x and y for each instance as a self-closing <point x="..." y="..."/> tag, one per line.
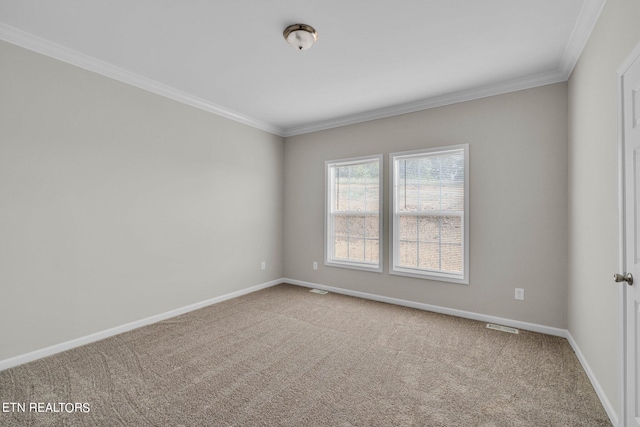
<point x="585" y="24"/>
<point x="589" y="15"/>
<point x="432" y="102"/>
<point x="48" y="48"/>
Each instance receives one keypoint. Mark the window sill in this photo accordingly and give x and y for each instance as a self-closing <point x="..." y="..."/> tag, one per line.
<point x="354" y="266"/>
<point x="427" y="275"/>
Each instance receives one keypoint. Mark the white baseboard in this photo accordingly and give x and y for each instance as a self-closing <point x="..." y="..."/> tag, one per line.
<point x="483" y="318"/>
<point x="613" y="416"/>
<point x="437" y="309"/>
<point x="57" y="348"/>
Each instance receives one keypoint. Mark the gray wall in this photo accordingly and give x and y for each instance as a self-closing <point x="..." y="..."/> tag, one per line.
<point x="593" y="190"/>
<point x="113" y="201"/>
<point x="518" y="202"/>
<point x="117" y="204"/>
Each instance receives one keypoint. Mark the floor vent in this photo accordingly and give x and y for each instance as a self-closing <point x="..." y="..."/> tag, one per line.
<point x="318" y="291"/>
<point x="502" y="328"/>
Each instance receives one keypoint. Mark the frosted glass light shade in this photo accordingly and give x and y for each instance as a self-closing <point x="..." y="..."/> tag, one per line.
<point x="300" y="36"/>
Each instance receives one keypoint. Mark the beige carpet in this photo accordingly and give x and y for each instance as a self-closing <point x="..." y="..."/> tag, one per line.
<point x="287" y="357"/>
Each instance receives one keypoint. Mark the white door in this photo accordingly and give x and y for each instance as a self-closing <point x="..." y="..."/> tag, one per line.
<point x="631" y="152"/>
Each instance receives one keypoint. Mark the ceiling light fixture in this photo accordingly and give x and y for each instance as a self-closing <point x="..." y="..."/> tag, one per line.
<point x="300" y="36"/>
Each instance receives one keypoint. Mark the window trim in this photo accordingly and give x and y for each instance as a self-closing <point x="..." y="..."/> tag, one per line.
<point x="328" y="215"/>
<point x="393" y="220"/>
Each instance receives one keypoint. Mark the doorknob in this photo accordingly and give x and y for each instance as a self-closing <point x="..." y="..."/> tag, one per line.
<point x="624" y="278"/>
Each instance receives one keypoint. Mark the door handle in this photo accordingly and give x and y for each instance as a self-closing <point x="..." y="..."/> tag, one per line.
<point x="624" y="278"/>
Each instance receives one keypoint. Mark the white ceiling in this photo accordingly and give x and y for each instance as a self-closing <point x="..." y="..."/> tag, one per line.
<point x="373" y="58"/>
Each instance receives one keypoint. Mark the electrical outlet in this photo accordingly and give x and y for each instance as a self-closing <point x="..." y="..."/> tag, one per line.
<point x="519" y="293"/>
<point x="315" y="265"/>
<point x="264" y="265"/>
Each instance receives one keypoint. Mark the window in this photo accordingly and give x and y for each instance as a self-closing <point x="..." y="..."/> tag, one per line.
<point x="429" y="214"/>
<point x="353" y="223"/>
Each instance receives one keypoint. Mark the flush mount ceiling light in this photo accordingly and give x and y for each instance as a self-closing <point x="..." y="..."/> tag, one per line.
<point x="300" y="36"/>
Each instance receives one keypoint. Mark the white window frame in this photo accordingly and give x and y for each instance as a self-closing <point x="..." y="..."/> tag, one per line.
<point x="329" y="259"/>
<point x="394" y="242"/>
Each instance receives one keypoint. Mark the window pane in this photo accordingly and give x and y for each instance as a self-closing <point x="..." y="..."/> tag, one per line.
<point x="341" y="248"/>
<point x="441" y="182"/>
<point x="408" y="227"/>
<point x="341" y="190"/>
<point x="356" y="226"/>
<point x="341" y="225"/>
<point x="451" y="229"/>
<point x="353" y="230"/>
<point x="372" y="227"/>
<point x="429" y="256"/>
<point x="408" y="253"/>
<point x="451" y="243"/>
<point x="452" y="257"/>
<point x="431" y="183"/>
<point x="356" y="249"/>
<point x="429" y="228"/>
<point x="356" y="187"/>
<point x="372" y="250"/>
<point x="357" y="238"/>
<point x="429" y="213"/>
<point x="409" y="182"/>
<point x="431" y="242"/>
<point x="357" y="194"/>
<point x="372" y="196"/>
<point x="408" y="241"/>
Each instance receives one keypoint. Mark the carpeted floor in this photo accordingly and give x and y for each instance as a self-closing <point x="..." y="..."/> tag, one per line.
<point x="286" y="357"/>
